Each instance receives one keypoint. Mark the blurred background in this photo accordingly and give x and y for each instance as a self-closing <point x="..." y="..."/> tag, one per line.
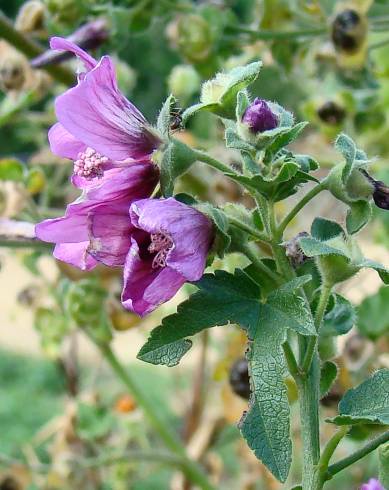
<point x="65" y="421"/>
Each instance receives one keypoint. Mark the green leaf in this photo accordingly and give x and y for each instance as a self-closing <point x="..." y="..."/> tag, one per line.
<point x="93" y="422"/>
<point x="225" y="298"/>
<point x="340" y="319"/>
<point x="266" y="425"/>
<point x="168" y="355"/>
<point x="233" y="140"/>
<point x="313" y="247"/>
<point x="373" y="314"/>
<point x="242" y="103"/>
<point x="368" y="402"/>
<point x="286" y="137"/>
<point x="222" y="240"/>
<point x="176" y="160"/>
<point x="240" y="78"/>
<point x="164" y="117"/>
<point x="382" y="271"/>
<point x="347" y="147"/>
<point x="11" y="169"/>
<point x="325" y="229"/>
<point x="328" y="375"/>
<point x="358" y="216"/>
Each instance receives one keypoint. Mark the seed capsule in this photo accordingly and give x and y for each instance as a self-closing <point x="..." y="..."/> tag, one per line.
<point x="331" y="113"/>
<point x="348" y="31"/>
<point x="239" y="378"/>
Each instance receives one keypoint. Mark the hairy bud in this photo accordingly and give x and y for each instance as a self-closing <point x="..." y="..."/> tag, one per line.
<point x="259" y="117"/>
<point x="30" y="17"/>
<point x="331" y="113"/>
<point x="349" y="31"/>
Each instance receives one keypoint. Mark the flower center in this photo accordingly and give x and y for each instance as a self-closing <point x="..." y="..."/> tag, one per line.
<point x="89" y="164"/>
<point x="161" y="244"/>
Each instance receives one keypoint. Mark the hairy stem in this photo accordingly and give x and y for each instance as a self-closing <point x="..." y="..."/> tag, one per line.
<point x="320" y="312"/>
<point x="189" y="467"/>
<point x="327" y="455"/>
<point x="308" y="388"/>
<point x="361" y="453"/>
<point x="248" y="229"/>
<point x="252" y="254"/>
<point x="268" y="35"/>
<point x="31" y="49"/>
<point x="305" y="200"/>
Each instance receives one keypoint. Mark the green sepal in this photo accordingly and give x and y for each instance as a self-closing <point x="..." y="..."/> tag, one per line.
<point x="358" y="216"/>
<point x="164" y="116"/>
<point x="345" y="145"/>
<point x="219" y="95"/>
<point x="339" y="318"/>
<point x="337" y="254"/>
<point x="328" y="375"/>
<point x="367" y="403"/>
<point x="176" y="159"/>
<point x="222" y="239"/>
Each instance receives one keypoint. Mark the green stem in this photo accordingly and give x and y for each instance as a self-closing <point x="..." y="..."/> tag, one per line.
<point x="190" y="468"/>
<point x="268" y="35"/>
<point x="320" y="312"/>
<point x="202" y="156"/>
<point x="257" y="262"/>
<point x="325" y="458"/>
<point x="248" y="229"/>
<point x="31" y="50"/>
<point x="291" y="360"/>
<point x="308" y="388"/>
<point x="305" y="200"/>
<point x="353" y="458"/>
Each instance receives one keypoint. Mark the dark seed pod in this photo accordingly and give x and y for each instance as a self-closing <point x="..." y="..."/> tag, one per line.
<point x="380" y="193"/>
<point x="9" y="483"/>
<point x="331" y="113"/>
<point x="239" y="379"/>
<point x="348" y="31"/>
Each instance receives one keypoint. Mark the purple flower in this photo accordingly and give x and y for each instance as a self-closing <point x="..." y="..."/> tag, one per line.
<point x="97" y="228"/>
<point x="259" y="117"/>
<point x="372" y="484"/>
<point x="98" y="127"/>
<point x="169" y="247"/>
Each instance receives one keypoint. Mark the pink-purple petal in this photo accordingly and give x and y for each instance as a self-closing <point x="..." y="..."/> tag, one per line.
<point x="97" y="113"/>
<point x="63" y="144"/>
<point x="61" y="44"/>
<point x="75" y="254"/>
<point x="190" y="230"/>
<point x="146" y="288"/>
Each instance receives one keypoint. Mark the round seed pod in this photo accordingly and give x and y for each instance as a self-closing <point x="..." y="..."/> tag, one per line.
<point x="331" y="113"/>
<point x="349" y="30"/>
<point x="240" y="379"/>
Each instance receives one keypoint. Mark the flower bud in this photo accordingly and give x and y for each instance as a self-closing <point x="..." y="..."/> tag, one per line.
<point x="66" y="11"/>
<point x="183" y="81"/>
<point x="294" y="252"/>
<point x="259" y="117"/>
<point x="349" y="31"/>
<point x="30" y="17"/>
<point x="239" y="378"/>
<point x="359" y="186"/>
<point x="88" y="36"/>
<point x="13" y="68"/>
<point x="194" y="38"/>
<point x="331" y="113"/>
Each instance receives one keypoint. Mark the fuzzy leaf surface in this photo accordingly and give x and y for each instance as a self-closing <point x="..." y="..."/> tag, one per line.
<point x="367" y="403"/>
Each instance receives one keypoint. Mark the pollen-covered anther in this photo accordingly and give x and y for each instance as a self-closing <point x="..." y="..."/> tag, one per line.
<point x="89" y="164"/>
<point x="161" y="244"/>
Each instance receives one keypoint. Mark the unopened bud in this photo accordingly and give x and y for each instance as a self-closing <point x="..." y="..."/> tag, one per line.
<point x="30" y="17"/>
<point x="183" y="81"/>
<point x="194" y="38"/>
<point x="259" y="117"/>
<point x="294" y="251"/>
<point x="88" y="36"/>
<point x="380" y="192"/>
<point x="13" y="68"/>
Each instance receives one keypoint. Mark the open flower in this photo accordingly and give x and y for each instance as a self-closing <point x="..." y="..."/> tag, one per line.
<point x="98" y="127"/>
<point x="97" y="228"/>
<point x="372" y="484"/>
<point x="169" y="247"/>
